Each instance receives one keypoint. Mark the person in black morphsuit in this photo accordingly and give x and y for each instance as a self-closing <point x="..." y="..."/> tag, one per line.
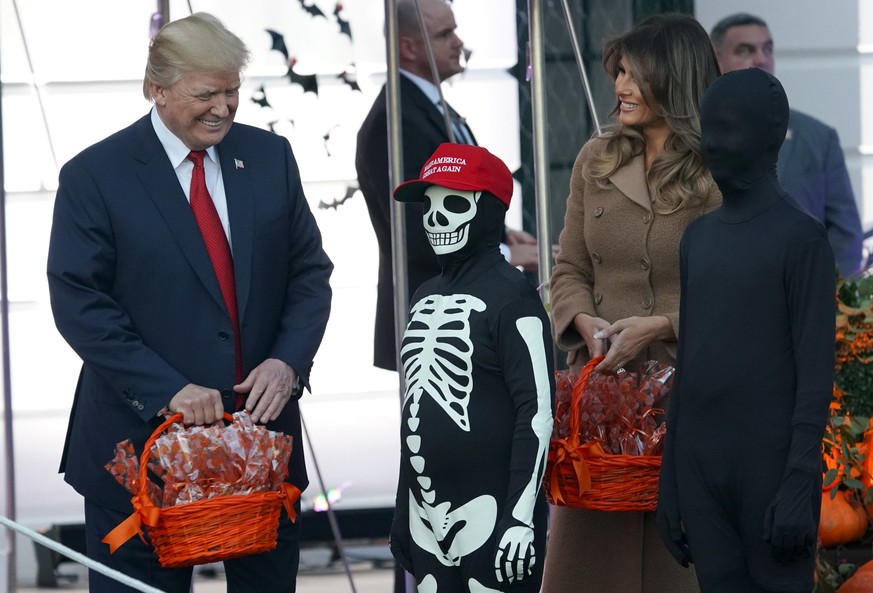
<point x="477" y="412"/>
<point x="741" y="475"/>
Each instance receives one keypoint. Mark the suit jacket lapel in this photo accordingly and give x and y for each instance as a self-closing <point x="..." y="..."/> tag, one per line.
<point x="162" y="186"/>
<point x="631" y="181"/>
<point x="240" y="209"/>
<point x="427" y="110"/>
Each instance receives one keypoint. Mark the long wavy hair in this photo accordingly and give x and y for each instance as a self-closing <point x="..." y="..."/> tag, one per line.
<point x="673" y="63"/>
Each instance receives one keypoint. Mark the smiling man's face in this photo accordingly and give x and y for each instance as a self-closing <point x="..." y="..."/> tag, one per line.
<point x="199" y="108"/>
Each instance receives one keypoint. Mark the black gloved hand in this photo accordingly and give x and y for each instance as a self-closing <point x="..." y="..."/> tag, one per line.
<point x="789" y="523"/>
<point x="667" y="516"/>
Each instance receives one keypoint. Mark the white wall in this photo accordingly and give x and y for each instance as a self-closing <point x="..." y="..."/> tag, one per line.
<point x="823" y="59"/>
<point x="88" y="59"/>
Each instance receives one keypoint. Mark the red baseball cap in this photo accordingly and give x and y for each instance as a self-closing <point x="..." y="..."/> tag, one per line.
<point x="462" y="167"/>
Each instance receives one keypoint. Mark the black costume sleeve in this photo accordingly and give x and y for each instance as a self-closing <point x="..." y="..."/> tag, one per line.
<point x="668" y="518"/>
<point x="810" y="287"/>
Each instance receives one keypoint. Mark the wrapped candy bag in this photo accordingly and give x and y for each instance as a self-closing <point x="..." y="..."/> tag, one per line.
<point x="201" y="462"/>
<point x="616" y="410"/>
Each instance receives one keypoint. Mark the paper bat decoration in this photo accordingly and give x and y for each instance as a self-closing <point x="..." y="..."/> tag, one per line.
<point x="347" y="79"/>
<point x="272" y="124"/>
<point x="278" y="42"/>
<point x="313" y="10"/>
<point x="335" y="204"/>
<point x="260" y="97"/>
<point x="344" y="24"/>
<point x="327" y="138"/>
<point x="307" y="81"/>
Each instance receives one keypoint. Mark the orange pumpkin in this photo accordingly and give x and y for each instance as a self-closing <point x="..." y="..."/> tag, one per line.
<point x="843" y="519"/>
<point x="860" y="582"/>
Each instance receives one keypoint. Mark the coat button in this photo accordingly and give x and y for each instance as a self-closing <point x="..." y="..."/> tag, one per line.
<point x="596" y="257"/>
<point x="223" y="336"/>
<point x="598" y="212"/>
<point x="226" y="393"/>
<point x="647" y="217"/>
<point x="140" y="407"/>
<point x="644" y="264"/>
<point x="647" y="303"/>
<point x="597" y="298"/>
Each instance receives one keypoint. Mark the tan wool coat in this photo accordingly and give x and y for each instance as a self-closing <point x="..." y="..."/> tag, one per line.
<point x="619" y="258"/>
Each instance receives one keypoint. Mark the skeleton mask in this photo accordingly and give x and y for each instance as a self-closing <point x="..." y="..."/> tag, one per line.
<point x="447" y="217"/>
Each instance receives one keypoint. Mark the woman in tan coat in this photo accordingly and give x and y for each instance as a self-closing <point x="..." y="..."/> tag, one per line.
<point x="633" y="191"/>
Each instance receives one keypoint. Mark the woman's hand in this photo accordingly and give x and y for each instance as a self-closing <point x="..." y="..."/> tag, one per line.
<point x="587" y="326"/>
<point x="628" y="337"/>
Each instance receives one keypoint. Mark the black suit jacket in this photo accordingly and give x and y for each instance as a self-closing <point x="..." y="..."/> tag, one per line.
<point x="423" y="132"/>
<point x="134" y="294"/>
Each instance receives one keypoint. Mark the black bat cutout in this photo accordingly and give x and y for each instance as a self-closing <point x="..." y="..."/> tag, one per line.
<point x="327" y="138"/>
<point x="346" y="78"/>
<point x="313" y="10"/>
<point x="307" y="81"/>
<point x="260" y="97"/>
<point x="343" y="24"/>
<point x="278" y="42"/>
<point x="335" y="204"/>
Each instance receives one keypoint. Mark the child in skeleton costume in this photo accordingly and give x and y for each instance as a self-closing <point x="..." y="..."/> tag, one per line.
<point x="740" y="488"/>
<point x="477" y="412"/>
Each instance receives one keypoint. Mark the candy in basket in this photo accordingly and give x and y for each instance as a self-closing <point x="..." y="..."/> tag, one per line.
<point x="607" y="438"/>
<point x="222" y="490"/>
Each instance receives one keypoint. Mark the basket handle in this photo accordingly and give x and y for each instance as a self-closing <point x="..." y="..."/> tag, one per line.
<point x="576" y="394"/>
<point x="570" y="450"/>
<point x="146" y="451"/>
<point x="144" y="510"/>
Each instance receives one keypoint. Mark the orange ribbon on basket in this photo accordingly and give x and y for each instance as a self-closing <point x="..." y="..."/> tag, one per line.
<point x="144" y="512"/>
<point x="570" y="448"/>
<point x="291" y="494"/>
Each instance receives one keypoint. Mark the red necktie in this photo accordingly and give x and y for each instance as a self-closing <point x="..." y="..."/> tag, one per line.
<point x="219" y="252"/>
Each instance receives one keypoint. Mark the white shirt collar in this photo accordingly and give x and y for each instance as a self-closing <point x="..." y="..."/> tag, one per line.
<point x="429" y="89"/>
<point x="173" y="146"/>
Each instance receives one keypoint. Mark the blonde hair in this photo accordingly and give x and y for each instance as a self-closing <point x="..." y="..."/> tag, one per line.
<point x="673" y="63"/>
<point x="196" y="43"/>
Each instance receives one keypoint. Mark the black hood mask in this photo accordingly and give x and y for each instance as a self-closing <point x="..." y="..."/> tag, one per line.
<point x="743" y="121"/>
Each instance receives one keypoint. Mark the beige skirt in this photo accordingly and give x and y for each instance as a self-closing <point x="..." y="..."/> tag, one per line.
<point x="610" y="552"/>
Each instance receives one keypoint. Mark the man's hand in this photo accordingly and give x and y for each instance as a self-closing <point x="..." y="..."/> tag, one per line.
<point x="198" y="405"/>
<point x="269" y="386"/>
<point x="523" y="251"/>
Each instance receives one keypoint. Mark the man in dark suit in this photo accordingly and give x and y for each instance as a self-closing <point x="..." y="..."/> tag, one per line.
<point x="811" y="165"/>
<point x="138" y="293"/>
<point x="423" y="131"/>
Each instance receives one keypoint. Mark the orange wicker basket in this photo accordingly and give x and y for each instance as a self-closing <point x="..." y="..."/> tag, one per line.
<point x="208" y="530"/>
<point x="583" y="475"/>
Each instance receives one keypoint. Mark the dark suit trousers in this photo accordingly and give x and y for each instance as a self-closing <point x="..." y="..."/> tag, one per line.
<point x="270" y="572"/>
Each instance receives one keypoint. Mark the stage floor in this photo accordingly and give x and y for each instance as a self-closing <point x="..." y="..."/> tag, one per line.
<point x="371" y="566"/>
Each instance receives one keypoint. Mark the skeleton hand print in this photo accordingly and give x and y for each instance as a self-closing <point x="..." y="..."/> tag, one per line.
<point x="515" y="554"/>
